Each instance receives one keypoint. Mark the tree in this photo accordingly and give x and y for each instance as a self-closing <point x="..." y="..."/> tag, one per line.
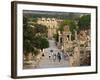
<point x="32" y="41"/>
<point x="56" y="36"/>
<point x="40" y="29"/>
<point x="28" y="47"/>
<point x="84" y="22"/>
<point x="41" y="42"/>
<point x="44" y="43"/>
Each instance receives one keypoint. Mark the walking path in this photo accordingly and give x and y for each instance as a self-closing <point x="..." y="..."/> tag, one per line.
<point x="47" y="62"/>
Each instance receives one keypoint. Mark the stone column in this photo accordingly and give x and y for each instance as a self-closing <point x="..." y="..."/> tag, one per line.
<point x="71" y="61"/>
<point x="77" y="56"/>
<point x="75" y="35"/>
<point x="59" y="36"/>
<point x="69" y="37"/>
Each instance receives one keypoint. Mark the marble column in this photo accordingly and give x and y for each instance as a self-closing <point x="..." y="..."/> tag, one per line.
<point x="75" y="35"/>
<point x="69" y="37"/>
<point x="77" y="56"/>
<point x="59" y="36"/>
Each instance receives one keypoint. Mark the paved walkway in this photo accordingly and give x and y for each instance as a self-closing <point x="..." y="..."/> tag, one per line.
<point x="47" y="62"/>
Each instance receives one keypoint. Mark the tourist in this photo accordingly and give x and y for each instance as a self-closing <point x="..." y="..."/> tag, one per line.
<point x="49" y="55"/>
<point x="59" y="56"/>
<point x="52" y="53"/>
<point x="54" y="57"/>
<point x="43" y="54"/>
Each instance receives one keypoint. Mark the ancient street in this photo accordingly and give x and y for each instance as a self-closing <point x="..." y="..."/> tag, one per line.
<point x="49" y="63"/>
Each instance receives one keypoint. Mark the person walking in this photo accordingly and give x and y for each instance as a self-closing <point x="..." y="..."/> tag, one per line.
<point x="59" y="56"/>
<point x="50" y="56"/>
<point x="54" y="57"/>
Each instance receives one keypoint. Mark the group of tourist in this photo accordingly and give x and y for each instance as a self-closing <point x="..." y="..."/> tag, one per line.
<point x="57" y="56"/>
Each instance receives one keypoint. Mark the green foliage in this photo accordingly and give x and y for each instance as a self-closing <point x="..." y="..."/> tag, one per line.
<point x="27" y="36"/>
<point x="56" y="37"/>
<point x="84" y="22"/>
<point x="40" y="29"/>
<point x="34" y="19"/>
<point x="50" y="14"/>
<point x="36" y="51"/>
<point x="41" y="42"/>
<point x="44" y="43"/>
<point x="71" y="23"/>
<point x="31" y="41"/>
<point x="72" y="26"/>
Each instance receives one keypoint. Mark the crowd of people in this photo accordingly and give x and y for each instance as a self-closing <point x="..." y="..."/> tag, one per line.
<point x="57" y="56"/>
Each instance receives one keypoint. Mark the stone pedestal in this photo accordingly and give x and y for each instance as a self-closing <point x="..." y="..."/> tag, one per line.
<point x="29" y="56"/>
<point x="77" y="56"/>
<point x="71" y="61"/>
